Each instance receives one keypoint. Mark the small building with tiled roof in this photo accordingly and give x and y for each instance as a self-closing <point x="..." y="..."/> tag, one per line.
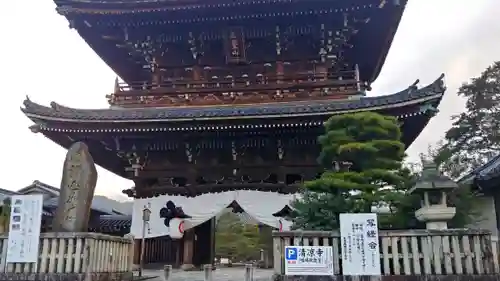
<point x="484" y="181"/>
<point x="38" y="187"/>
<point x="107" y="215"/>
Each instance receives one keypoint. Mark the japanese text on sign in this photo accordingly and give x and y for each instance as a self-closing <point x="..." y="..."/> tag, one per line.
<point x="359" y="244"/>
<point x="24" y="229"/>
<point x="309" y="260"/>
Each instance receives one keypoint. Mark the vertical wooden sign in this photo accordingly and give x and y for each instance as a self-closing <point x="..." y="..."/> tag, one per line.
<point x="234" y="43"/>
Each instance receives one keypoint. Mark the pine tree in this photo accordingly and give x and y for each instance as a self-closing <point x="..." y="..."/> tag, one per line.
<point x="362" y="155"/>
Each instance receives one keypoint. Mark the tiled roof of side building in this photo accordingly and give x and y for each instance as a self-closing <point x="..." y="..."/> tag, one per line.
<point x="8" y="192"/>
<point x="487" y="171"/>
<point x="97" y="205"/>
<point x="411" y="95"/>
<point x="39" y="184"/>
<point x="111" y="223"/>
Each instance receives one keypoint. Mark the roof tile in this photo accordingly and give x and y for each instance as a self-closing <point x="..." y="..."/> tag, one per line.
<point x="56" y="111"/>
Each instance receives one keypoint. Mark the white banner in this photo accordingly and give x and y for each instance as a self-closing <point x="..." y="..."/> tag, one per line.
<point x="260" y="207"/>
<point x="24" y="228"/>
<point x="359" y="244"/>
<point x="309" y="260"/>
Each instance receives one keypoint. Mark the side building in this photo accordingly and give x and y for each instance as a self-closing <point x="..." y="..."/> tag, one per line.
<point x="484" y="182"/>
<point x="107" y="215"/>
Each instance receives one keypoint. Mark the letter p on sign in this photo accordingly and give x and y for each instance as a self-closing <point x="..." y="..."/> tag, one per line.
<point x="291" y="253"/>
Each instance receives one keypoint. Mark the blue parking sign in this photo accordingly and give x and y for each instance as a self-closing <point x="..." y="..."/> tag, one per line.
<point x="291" y="253"/>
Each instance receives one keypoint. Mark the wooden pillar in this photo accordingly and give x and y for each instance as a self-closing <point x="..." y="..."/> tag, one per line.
<point x="146" y="251"/>
<point x="280" y="71"/>
<point x="178" y="253"/>
<point x="156" y="75"/>
<point x="153" y="251"/>
<point x="156" y="248"/>
<point x="162" y="250"/>
<point x="321" y="71"/>
<point x="187" y="262"/>
<point x="197" y="73"/>
<point x="213" y="224"/>
<point x="137" y="251"/>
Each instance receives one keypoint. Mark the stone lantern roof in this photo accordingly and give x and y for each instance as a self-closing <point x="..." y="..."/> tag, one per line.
<point x="432" y="179"/>
<point x="433" y="187"/>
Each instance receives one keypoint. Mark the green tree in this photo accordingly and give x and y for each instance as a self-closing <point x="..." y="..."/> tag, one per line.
<point x="236" y="240"/>
<point x="362" y="155"/>
<point x="473" y="138"/>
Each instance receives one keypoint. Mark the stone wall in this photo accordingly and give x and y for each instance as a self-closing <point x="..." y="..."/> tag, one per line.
<point x="487" y="219"/>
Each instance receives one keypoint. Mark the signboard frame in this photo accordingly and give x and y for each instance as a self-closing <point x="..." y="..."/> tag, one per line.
<point x="297" y="261"/>
<point x="359" y="243"/>
<point x="24" y="228"/>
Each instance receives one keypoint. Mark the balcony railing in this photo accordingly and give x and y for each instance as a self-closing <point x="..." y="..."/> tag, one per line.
<point x="244" y="89"/>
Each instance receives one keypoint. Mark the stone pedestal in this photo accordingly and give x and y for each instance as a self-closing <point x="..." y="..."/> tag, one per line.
<point x="77" y="190"/>
<point x="435" y="217"/>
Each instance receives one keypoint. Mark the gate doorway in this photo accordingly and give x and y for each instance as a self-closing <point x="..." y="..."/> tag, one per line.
<point x="239" y="239"/>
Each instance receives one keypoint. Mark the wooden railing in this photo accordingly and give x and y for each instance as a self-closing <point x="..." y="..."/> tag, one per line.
<point x="411" y="252"/>
<point x="229" y="82"/>
<point x="75" y="253"/>
<point x="258" y="88"/>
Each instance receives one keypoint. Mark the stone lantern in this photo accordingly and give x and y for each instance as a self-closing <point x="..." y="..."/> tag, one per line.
<point x="433" y="188"/>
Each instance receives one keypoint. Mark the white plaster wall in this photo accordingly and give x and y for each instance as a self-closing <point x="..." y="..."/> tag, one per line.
<point x="487" y="218"/>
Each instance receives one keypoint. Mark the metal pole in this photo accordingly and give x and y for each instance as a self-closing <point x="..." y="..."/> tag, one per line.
<point x="143" y="240"/>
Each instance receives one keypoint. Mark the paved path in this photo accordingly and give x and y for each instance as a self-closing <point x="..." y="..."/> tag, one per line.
<point x="220" y="274"/>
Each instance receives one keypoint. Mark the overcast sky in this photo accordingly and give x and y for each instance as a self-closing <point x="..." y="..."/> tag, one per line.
<point x="42" y="58"/>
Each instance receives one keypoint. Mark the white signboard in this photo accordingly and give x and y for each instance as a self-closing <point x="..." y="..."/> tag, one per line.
<point x="24" y="228"/>
<point x="359" y="244"/>
<point x="309" y="260"/>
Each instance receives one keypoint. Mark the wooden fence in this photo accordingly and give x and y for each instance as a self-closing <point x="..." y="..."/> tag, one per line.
<point x="74" y="253"/>
<point x="409" y="252"/>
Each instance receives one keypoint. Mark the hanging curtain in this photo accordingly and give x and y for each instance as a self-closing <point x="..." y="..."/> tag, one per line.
<point x="206" y="206"/>
<point x="200" y="209"/>
<point x="261" y="205"/>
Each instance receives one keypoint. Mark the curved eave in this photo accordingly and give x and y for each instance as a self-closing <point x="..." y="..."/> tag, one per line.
<point x="75" y="7"/>
<point x="44" y="116"/>
<point x="390" y="37"/>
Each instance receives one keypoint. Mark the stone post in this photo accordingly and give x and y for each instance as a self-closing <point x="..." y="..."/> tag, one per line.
<point x="131" y="250"/>
<point x="248" y="272"/>
<point x="167" y="272"/>
<point x="433" y="188"/>
<point x="77" y="190"/>
<point x="207" y="272"/>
